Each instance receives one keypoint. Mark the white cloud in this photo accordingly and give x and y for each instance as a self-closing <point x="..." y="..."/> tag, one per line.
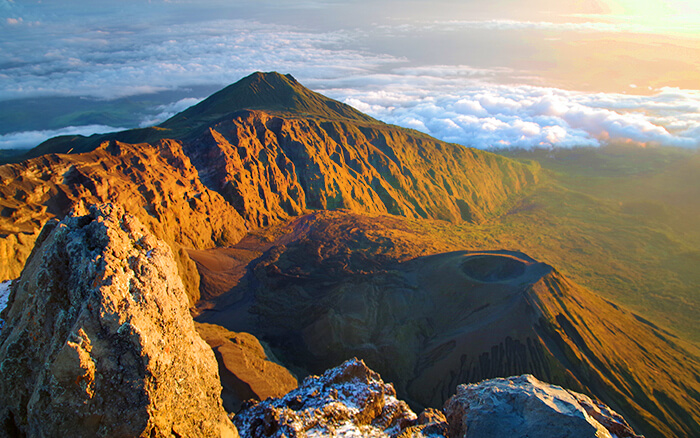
<point x="486" y="115"/>
<point x="167" y="111"/>
<point x="29" y="139"/>
<point x="509" y="25"/>
<point x="111" y="63"/>
<point x="125" y="56"/>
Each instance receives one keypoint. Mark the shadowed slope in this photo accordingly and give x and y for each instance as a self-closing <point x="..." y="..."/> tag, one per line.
<point x="337" y="285"/>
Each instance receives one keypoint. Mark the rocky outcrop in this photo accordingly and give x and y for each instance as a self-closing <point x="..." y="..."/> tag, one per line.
<point x="349" y="400"/>
<point x="244" y="366"/>
<point x="520" y="407"/>
<point x="155" y="183"/>
<point x="352" y="400"/>
<point x="98" y="339"/>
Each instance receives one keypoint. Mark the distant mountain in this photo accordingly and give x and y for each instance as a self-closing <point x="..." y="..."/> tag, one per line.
<point x="258" y="152"/>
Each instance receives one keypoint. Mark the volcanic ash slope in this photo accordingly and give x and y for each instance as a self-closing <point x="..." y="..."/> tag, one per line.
<point x="338" y="285"/>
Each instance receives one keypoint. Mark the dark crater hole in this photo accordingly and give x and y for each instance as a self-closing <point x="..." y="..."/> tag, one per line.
<point x="491" y="268"/>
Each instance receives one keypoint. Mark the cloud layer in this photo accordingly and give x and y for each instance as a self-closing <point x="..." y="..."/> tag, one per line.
<point x="487" y="115"/>
<point x="26" y="140"/>
<point x="113" y="63"/>
<point x="48" y="52"/>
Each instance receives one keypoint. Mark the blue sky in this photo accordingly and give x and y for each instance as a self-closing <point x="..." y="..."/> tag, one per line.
<point x="489" y="74"/>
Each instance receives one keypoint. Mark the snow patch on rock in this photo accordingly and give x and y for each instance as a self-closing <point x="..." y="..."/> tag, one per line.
<point x="4" y="296"/>
<point x="347" y="401"/>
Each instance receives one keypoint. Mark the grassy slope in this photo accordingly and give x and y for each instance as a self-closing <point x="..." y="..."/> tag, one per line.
<point x="620" y="222"/>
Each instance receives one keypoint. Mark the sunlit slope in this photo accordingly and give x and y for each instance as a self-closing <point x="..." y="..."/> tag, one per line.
<point x="270" y="92"/>
<point x="156" y="183"/>
<point x="293" y="152"/>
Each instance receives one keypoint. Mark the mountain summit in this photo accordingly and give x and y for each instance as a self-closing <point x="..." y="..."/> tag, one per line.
<point x="271" y="92"/>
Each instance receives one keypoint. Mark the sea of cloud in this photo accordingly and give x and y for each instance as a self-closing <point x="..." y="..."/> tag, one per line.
<point x="481" y="107"/>
<point x="167" y="111"/>
<point x="29" y="139"/>
<point x="487" y="115"/>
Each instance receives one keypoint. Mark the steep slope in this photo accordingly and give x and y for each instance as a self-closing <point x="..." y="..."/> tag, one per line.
<point x="263" y="149"/>
<point x="247" y="373"/>
<point x="271" y="92"/>
<point x="335" y="285"/>
<point x="156" y="183"/>
<point x="270" y="168"/>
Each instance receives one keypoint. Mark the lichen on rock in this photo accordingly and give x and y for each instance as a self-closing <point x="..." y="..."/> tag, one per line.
<point x="99" y="341"/>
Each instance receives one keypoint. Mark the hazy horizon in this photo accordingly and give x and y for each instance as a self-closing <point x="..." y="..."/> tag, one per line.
<point x="502" y="73"/>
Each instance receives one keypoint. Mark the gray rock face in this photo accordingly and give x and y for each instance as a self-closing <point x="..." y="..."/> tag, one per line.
<point x="526" y="407"/>
<point x="98" y="339"/>
<point x="349" y="400"/>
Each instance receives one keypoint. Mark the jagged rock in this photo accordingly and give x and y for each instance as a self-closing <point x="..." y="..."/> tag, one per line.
<point x="431" y="424"/>
<point x="156" y="183"/>
<point x="98" y="339"/>
<point x="245" y="368"/>
<point x="349" y="400"/>
<point x="526" y="407"/>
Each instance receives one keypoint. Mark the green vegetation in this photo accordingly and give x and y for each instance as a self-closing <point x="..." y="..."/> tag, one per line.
<point x="621" y="221"/>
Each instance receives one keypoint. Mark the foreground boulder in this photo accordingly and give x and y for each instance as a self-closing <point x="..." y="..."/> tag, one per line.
<point x="98" y="339"/>
<point x="349" y="400"/>
<point x="519" y="407"/>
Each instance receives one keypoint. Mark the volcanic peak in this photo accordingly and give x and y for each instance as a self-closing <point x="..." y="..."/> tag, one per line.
<point x="269" y="92"/>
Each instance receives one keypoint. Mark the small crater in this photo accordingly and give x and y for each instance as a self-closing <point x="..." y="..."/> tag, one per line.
<point x="493" y="268"/>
